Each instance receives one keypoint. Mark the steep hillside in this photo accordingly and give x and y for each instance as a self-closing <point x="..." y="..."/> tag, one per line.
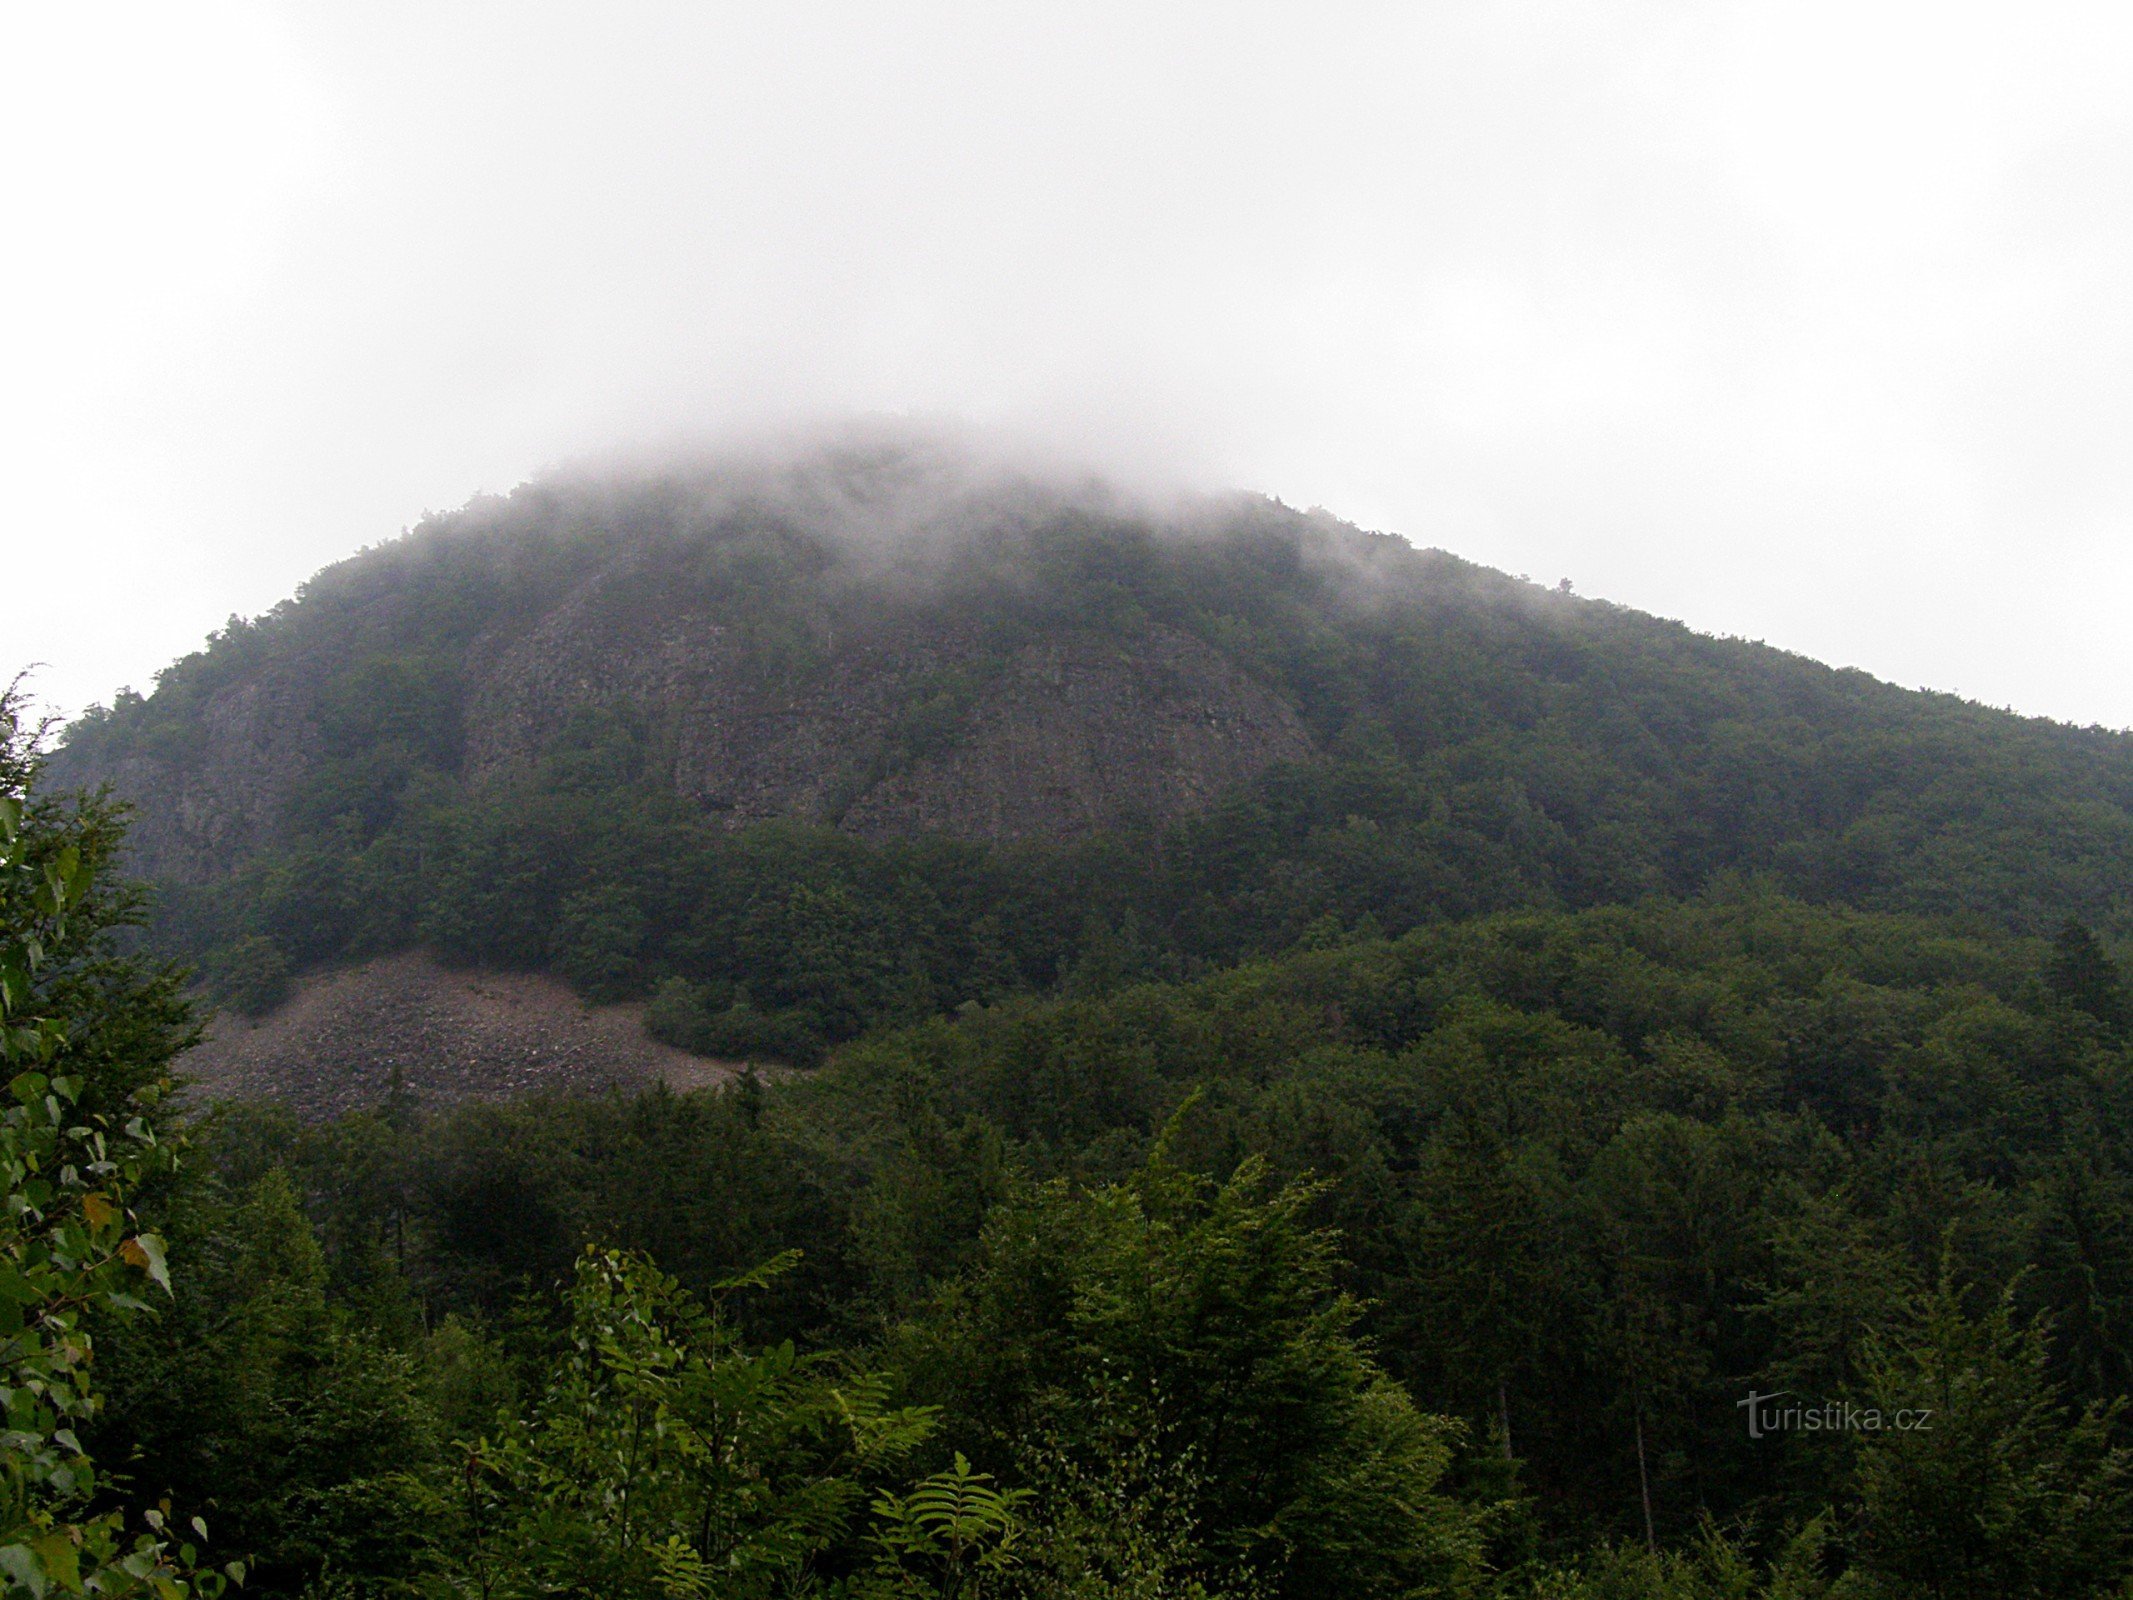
<point x="864" y="738"/>
<point x="890" y="655"/>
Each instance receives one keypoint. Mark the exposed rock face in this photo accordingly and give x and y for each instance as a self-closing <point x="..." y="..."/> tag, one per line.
<point x="1082" y="732"/>
<point x="773" y="666"/>
<point x="455" y="1036"/>
<point x="1071" y="733"/>
<point x="207" y="806"/>
<point x="597" y="651"/>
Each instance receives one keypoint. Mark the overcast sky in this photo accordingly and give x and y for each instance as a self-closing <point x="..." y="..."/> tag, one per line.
<point x="1808" y="323"/>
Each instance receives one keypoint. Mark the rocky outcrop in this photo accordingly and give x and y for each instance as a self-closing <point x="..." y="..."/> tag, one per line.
<point x="200" y="808"/>
<point x="915" y="663"/>
<point x="1068" y="734"/>
<point x="1083" y="732"/>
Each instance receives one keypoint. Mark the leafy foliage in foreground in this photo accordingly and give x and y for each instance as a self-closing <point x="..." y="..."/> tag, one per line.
<point x="665" y="1458"/>
<point x="71" y="1245"/>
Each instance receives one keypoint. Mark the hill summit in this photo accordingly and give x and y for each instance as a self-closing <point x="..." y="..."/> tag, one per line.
<point x="797" y="746"/>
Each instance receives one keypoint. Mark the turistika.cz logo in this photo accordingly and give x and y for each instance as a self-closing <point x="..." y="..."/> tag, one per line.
<point x="1770" y="1413"/>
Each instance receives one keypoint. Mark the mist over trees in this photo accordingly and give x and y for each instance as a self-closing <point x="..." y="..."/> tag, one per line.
<point x="1464" y="743"/>
<point x="1622" y="1116"/>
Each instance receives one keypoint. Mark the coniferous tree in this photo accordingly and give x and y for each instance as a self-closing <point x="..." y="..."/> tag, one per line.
<point x="2083" y="975"/>
<point x="1979" y="1483"/>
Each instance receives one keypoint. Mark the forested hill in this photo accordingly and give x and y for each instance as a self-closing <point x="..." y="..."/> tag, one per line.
<point x="1352" y="1072"/>
<point x="870" y="737"/>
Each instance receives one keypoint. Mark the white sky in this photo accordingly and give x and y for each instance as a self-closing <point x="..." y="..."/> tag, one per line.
<point x="1806" y="322"/>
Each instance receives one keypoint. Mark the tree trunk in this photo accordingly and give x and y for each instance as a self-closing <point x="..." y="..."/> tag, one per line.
<point x="1644" y="1483"/>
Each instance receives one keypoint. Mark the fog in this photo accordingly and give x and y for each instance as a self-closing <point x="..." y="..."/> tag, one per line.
<point x="1800" y="322"/>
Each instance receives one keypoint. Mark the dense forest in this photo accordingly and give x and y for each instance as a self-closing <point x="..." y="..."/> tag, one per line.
<point x="1607" y="1114"/>
<point x="1430" y="1265"/>
<point x="1464" y="743"/>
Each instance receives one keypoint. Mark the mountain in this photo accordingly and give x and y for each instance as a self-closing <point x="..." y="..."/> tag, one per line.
<point x="798" y="747"/>
<point x="1341" y="1074"/>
